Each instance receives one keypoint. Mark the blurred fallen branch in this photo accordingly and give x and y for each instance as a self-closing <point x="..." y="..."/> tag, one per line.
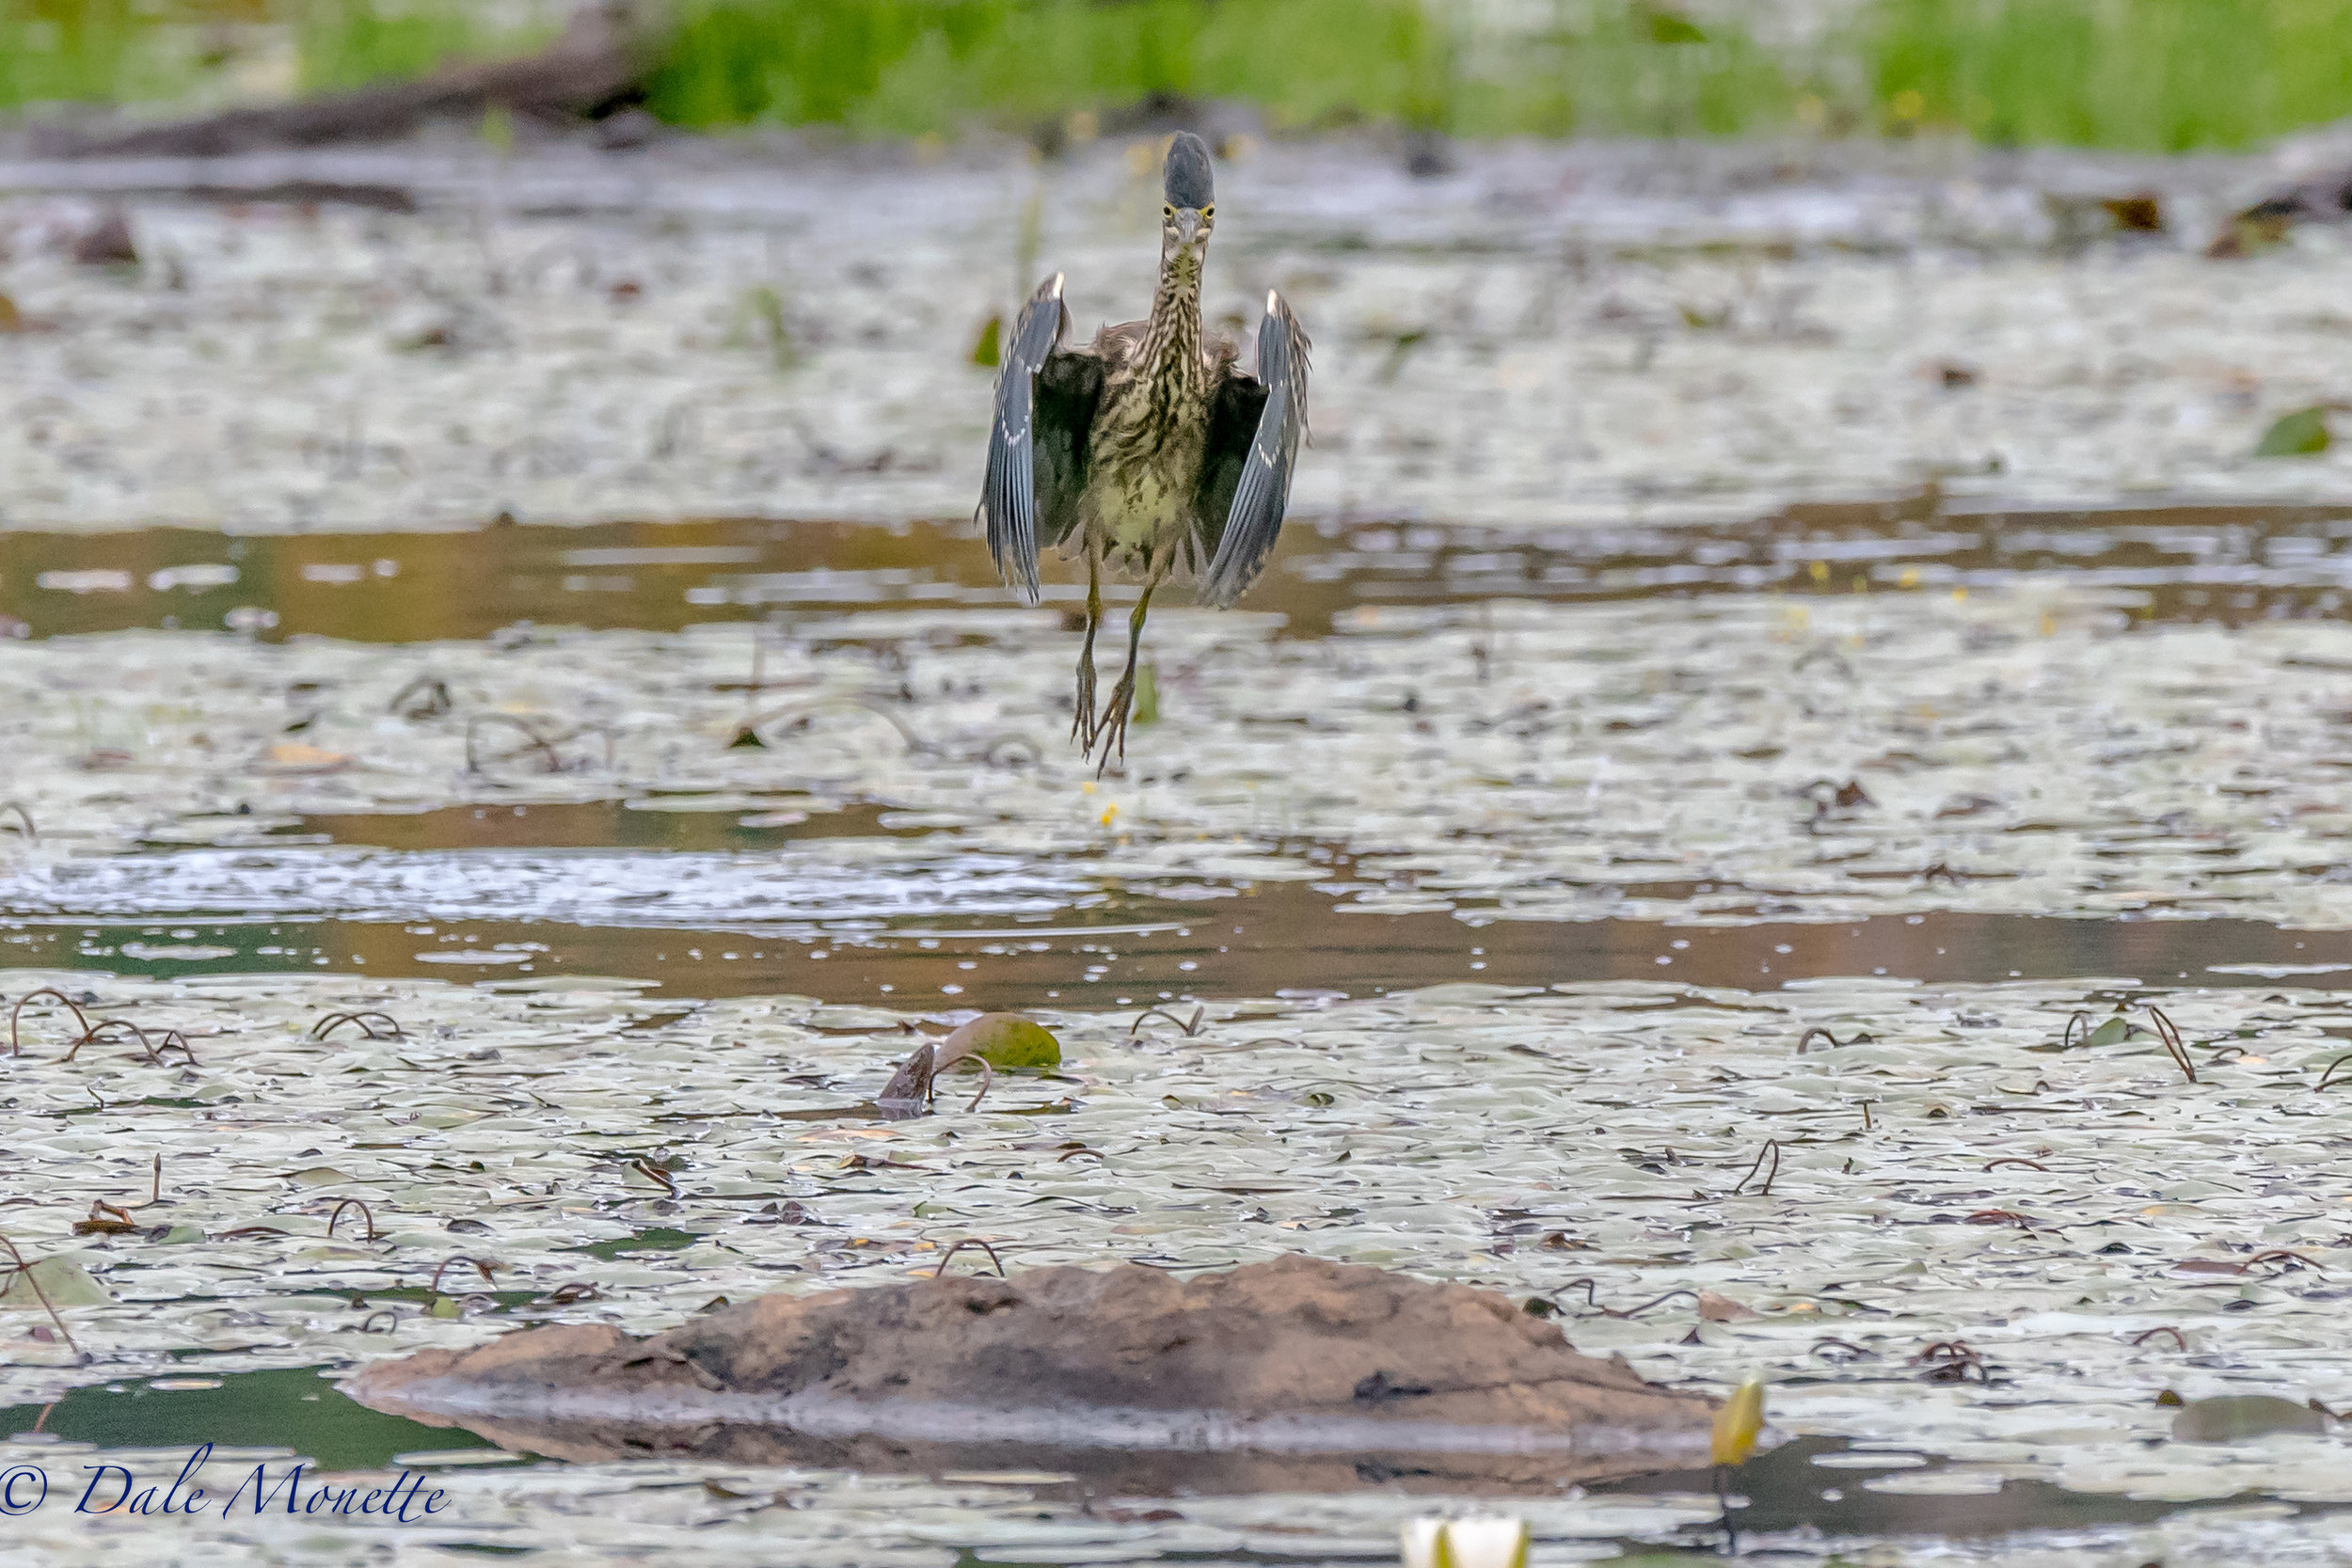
<point x="2328" y="199"/>
<point x="593" y="65"/>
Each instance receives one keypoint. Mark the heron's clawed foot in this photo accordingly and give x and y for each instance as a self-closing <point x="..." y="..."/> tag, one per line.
<point x="1110" y="729"/>
<point x="1083" y="727"/>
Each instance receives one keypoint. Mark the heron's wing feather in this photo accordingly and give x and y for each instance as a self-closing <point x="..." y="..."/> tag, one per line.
<point x="1115" y="345"/>
<point x="1250" y="462"/>
<point x="1037" y="443"/>
<point x="1235" y="409"/>
<point x="1068" y="388"/>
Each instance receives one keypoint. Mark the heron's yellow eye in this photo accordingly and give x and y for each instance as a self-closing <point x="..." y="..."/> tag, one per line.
<point x="1210" y="211"/>
<point x="1169" y="210"/>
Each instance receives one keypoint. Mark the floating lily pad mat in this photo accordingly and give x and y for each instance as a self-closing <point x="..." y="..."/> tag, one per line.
<point x="1918" y="1201"/>
<point x="2040" y="749"/>
<point x="1566" y="333"/>
<point x="1949" y="1164"/>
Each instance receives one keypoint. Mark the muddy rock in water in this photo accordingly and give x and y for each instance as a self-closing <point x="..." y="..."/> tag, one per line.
<point x="1295" y="1372"/>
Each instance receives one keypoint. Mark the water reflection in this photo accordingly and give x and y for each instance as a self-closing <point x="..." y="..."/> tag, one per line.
<point x="1129" y="948"/>
<point x="288" y="1410"/>
<point x="1815" y="1487"/>
<point x="2224" y="563"/>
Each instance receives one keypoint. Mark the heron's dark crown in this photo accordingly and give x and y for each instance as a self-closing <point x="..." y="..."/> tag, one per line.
<point x="1191" y="180"/>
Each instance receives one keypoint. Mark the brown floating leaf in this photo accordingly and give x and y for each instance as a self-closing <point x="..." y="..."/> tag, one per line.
<point x="108" y="241"/>
<point x="911" y="1086"/>
<point x="293" y="757"/>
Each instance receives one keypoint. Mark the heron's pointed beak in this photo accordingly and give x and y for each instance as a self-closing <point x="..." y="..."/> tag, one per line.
<point x="1189" y="226"/>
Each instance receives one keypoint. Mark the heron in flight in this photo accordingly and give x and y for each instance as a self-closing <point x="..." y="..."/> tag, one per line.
<point x="1149" y="450"/>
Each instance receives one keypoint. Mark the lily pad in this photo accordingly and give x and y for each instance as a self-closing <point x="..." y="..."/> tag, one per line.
<point x="1007" y="1041"/>
<point x="65" y="1282"/>
<point x="2115" y="1031"/>
<point x="2301" y="434"/>
<point x="2233" y="1418"/>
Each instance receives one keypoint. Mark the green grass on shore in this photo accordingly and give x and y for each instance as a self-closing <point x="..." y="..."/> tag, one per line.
<point x="2158" y="76"/>
<point x="2151" y="75"/>
<point x="916" y="65"/>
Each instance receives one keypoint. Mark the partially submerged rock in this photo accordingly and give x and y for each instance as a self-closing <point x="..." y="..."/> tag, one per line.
<point x="1297" y="1372"/>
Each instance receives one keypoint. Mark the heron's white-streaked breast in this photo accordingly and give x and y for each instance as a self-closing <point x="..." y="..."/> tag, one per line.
<point x="1147" y="465"/>
<point x="1141" y="505"/>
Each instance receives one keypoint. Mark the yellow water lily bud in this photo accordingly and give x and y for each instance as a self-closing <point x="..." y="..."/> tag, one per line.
<point x="1419" y="1539"/>
<point x="1486" y="1543"/>
<point x="1465" y="1543"/>
<point x="1738" y="1423"/>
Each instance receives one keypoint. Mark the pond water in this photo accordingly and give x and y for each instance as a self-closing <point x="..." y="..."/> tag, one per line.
<point x="2200" y="563"/>
<point x="1807" y="1486"/>
<point x="1969" y="809"/>
<point x="1123" y="949"/>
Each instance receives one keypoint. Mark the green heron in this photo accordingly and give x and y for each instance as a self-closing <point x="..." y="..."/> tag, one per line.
<point x="1150" y="450"/>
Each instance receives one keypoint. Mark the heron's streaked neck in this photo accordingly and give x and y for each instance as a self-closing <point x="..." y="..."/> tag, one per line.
<point x="1171" y="349"/>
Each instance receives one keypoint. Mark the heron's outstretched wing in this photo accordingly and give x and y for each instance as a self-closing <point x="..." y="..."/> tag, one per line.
<point x="1254" y="429"/>
<point x="1045" y="401"/>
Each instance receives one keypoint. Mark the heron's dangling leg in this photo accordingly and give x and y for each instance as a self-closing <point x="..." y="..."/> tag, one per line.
<point x="1082" y="723"/>
<point x="1111" y="729"/>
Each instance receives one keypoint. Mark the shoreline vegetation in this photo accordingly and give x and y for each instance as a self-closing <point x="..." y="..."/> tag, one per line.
<point x="2141" y="75"/>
